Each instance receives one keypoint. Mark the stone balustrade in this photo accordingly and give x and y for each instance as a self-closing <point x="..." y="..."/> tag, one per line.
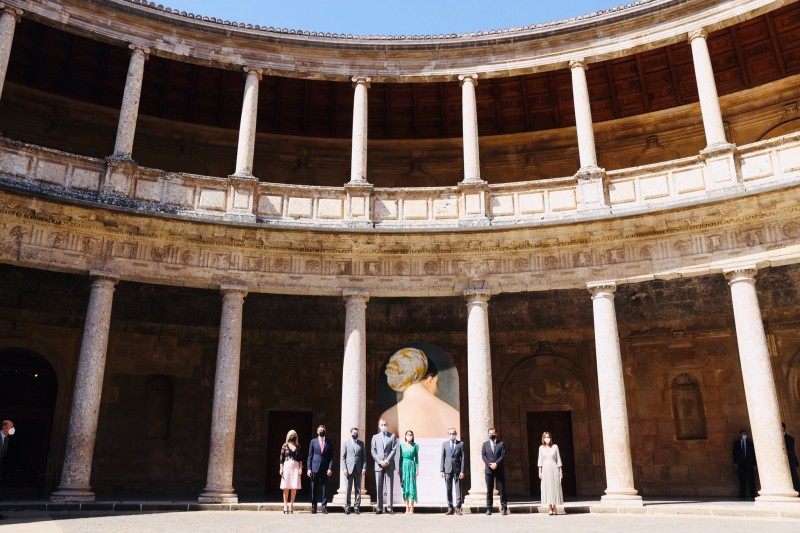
<point x="703" y="178"/>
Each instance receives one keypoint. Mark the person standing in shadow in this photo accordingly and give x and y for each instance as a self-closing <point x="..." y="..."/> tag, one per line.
<point x="493" y="454"/>
<point x="320" y="468"/>
<point x="744" y="457"/>
<point x="791" y="454"/>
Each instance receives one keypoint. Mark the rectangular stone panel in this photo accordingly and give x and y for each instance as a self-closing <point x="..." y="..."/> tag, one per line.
<point x="756" y="167"/>
<point x="14" y="164"/>
<point x="358" y="206"/>
<point x="330" y="208"/>
<point x="88" y="180"/>
<point x="503" y="205"/>
<point x="621" y="192"/>
<point x="269" y="204"/>
<point x="51" y="172"/>
<point x="472" y="204"/>
<point x="300" y="207"/>
<point x="149" y="191"/>
<point x="415" y="209"/>
<point x="386" y="209"/>
<point x="241" y="198"/>
<point x="445" y="208"/>
<point x="689" y="181"/>
<point x="178" y="194"/>
<point x="654" y="187"/>
<point x="562" y="200"/>
<point x="213" y="199"/>
<point x="530" y="204"/>
<point x="789" y="159"/>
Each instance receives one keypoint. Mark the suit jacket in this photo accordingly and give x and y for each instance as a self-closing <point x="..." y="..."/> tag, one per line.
<point x="453" y="462"/>
<point x="3" y="447"/>
<point x="499" y="456"/>
<point x="354" y="456"/>
<point x="384" y="452"/>
<point x="790" y="450"/>
<point x="739" y="457"/>
<point x="320" y="460"/>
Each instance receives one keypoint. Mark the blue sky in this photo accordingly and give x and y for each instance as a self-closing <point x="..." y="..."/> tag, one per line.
<point x="382" y="17"/>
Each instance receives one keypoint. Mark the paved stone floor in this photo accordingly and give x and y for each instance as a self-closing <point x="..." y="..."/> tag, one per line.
<point x="245" y="521"/>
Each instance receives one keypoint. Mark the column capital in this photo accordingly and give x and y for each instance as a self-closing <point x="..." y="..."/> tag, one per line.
<point x="578" y="62"/>
<point x="361" y="80"/>
<point x="104" y="277"/>
<point x="697" y="33"/>
<point x="468" y="78"/>
<point x="355" y="295"/>
<point x="257" y="72"/>
<point x="602" y="289"/>
<point x="477" y="296"/>
<point x="144" y="50"/>
<point x="11" y="10"/>
<point x="233" y="290"/>
<point x="739" y="274"/>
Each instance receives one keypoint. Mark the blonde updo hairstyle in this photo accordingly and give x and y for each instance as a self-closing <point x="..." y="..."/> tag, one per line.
<point x="408" y="366"/>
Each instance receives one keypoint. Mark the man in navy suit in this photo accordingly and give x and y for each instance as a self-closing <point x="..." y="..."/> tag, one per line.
<point x="320" y="468"/>
<point x="744" y="457"/>
<point x="791" y="454"/>
<point x="493" y="454"/>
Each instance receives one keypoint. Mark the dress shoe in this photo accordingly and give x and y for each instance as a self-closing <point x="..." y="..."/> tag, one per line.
<point x="458" y="511"/>
<point x="390" y="510"/>
<point x="488" y="512"/>
<point x="505" y="512"/>
<point x="357" y="511"/>
<point x="313" y="511"/>
<point x="378" y="512"/>
<point x="346" y="510"/>
<point x="324" y="511"/>
<point x="449" y="512"/>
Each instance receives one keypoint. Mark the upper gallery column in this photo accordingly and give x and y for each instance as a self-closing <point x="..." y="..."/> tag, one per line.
<point x="354" y="370"/>
<point x="707" y="89"/>
<point x="613" y="407"/>
<point x="469" y="115"/>
<point x="75" y="483"/>
<point x="128" y="113"/>
<point x="358" y="161"/>
<point x="219" y="483"/>
<point x="479" y="387"/>
<point x="9" y="16"/>
<point x="759" y="390"/>
<point x="247" y="125"/>
<point x="583" y="116"/>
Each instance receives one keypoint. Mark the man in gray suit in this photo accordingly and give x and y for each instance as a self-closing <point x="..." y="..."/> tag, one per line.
<point x="354" y="460"/>
<point x="384" y="449"/>
<point x="452" y="468"/>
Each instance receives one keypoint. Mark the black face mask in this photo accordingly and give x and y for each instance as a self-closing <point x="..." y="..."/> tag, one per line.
<point x="293" y="439"/>
<point x="321" y="433"/>
<point x="493" y="437"/>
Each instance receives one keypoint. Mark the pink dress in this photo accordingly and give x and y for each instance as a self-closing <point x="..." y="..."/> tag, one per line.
<point x="292" y="462"/>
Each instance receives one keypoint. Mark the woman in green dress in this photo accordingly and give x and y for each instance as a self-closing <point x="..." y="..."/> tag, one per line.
<point x="409" y="470"/>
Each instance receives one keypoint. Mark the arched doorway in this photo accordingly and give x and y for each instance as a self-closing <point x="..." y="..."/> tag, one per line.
<point x="28" y="388"/>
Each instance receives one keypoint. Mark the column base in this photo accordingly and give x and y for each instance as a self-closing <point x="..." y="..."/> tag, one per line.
<point x="65" y="495"/>
<point x="211" y="496"/>
<point x="622" y="498"/>
<point x="477" y="499"/>
<point x="773" y="498"/>
<point x="341" y="497"/>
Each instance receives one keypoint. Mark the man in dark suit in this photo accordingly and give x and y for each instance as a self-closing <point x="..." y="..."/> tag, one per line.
<point x="384" y="450"/>
<point x="452" y="468"/>
<point x="791" y="454"/>
<point x="744" y="457"/>
<point x="6" y="430"/>
<point x="493" y="454"/>
<point x="320" y="468"/>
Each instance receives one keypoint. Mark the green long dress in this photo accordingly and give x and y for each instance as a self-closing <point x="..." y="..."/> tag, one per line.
<point x="409" y="464"/>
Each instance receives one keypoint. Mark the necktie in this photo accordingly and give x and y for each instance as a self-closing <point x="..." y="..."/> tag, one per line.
<point x="744" y="449"/>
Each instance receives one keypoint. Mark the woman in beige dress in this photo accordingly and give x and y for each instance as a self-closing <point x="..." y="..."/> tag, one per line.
<point x="550" y="473"/>
<point x="291" y="470"/>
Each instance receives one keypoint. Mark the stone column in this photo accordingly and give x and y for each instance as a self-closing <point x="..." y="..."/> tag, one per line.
<point x="358" y="161"/>
<point x="759" y="390"/>
<point x="707" y="90"/>
<point x="583" y="116"/>
<point x="219" y="484"/>
<point x="75" y="483"/>
<point x="247" y="125"/>
<point x="129" y="112"/>
<point x="469" y="115"/>
<point x="479" y="381"/>
<point x="613" y="407"/>
<point x="354" y="375"/>
<point x="8" y="22"/>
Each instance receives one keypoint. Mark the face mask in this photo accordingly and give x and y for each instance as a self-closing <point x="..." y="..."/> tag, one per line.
<point x="492" y="437"/>
<point x="453" y="438"/>
<point x="354" y="435"/>
<point x="409" y="438"/>
<point x="744" y="437"/>
<point x="12" y="431"/>
<point x="321" y="433"/>
<point x="547" y="440"/>
<point x="383" y="428"/>
<point x="292" y="439"/>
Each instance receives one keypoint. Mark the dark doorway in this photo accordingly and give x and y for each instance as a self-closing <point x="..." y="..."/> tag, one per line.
<point x="278" y="425"/>
<point x="28" y="387"/>
<point x="559" y="424"/>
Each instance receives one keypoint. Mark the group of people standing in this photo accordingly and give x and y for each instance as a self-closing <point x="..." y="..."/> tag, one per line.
<point x="384" y="449"/>
<point x="744" y="457"/>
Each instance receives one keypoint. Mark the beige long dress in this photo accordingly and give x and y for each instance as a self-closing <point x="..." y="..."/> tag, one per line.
<point x="550" y="462"/>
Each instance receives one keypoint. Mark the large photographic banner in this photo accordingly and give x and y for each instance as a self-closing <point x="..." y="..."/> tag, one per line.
<point x="418" y="391"/>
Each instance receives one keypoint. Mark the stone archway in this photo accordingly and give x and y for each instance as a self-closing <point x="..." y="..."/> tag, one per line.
<point x="28" y="394"/>
<point x="550" y="383"/>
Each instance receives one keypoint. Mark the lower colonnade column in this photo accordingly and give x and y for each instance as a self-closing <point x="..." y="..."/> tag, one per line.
<point x="75" y="483"/>
<point x="479" y="385"/>
<point x="759" y="390"/>
<point x="354" y="380"/>
<point x="219" y="481"/>
<point x="613" y="407"/>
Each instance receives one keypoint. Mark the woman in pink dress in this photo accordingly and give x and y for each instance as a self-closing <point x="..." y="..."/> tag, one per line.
<point x="291" y="470"/>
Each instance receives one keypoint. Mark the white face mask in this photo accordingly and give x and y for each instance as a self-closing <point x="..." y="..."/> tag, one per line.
<point x="383" y="427"/>
<point x="453" y="438"/>
<point x="409" y="438"/>
<point x="547" y="440"/>
<point x="744" y="437"/>
<point x="12" y="431"/>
